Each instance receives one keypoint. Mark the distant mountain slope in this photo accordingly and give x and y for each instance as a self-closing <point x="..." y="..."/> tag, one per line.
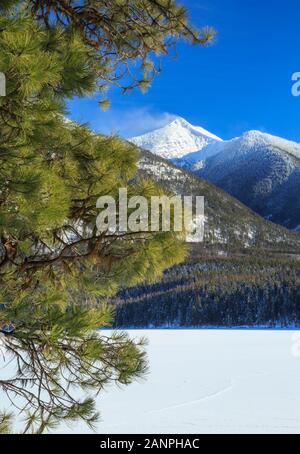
<point x="229" y="223"/>
<point x="260" y="170"/>
<point x="175" y="140"/>
<point x="196" y="160"/>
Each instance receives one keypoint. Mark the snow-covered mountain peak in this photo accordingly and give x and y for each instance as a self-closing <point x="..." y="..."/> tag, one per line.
<point x="261" y="170"/>
<point x="176" y="139"/>
<point x="254" y="136"/>
<point x="255" y="140"/>
<point x="179" y="121"/>
<point x="198" y="130"/>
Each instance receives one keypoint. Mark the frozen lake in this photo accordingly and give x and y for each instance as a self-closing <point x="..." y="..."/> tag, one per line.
<point x="210" y="382"/>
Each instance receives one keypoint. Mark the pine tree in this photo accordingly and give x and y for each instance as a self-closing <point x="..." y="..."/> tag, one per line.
<point x="54" y="264"/>
<point x="126" y="33"/>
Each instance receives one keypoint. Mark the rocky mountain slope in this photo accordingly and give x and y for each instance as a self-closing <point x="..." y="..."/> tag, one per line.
<point x="260" y="170"/>
<point x="229" y="224"/>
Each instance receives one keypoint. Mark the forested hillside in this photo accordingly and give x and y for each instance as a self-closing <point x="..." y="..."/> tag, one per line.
<point x="229" y="225"/>
<point x="227" y="292"/>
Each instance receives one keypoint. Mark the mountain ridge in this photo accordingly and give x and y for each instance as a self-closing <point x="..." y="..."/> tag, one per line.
<point x="262" y="171"/>
<point x="175" y="139"/>
<point x="228" y="223"/>
<point x="259" y="169"/>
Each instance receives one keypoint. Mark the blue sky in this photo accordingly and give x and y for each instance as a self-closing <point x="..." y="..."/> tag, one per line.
<point x="241" y="82"/>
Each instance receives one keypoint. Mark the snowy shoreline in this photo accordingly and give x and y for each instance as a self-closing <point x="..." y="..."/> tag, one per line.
<point x="204" y="328"/>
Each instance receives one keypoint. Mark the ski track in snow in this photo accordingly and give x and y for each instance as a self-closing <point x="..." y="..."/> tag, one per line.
<point x="232" y="384"/>
<point x="208" y="382"/>
<point x="213" y="395"/>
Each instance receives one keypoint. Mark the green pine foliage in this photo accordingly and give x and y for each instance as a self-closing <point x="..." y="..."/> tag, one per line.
<point x="57" y="351"/>
<point x="129" y="36"/>
<point x="54" y="264"/>
<point x="5" y="423"/>
<point x="53" y="171"/>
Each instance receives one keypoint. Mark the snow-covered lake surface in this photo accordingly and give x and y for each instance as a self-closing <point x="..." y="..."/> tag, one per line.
<point x="209" y="382"/>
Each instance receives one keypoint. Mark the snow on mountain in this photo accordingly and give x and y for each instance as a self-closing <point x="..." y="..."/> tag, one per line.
<point x="247" y="143"/>
<point x="175" y="140"/>
<point x="227" y="221"/>
<point x="252" y="144"/>
<point x="196" y="160"/>
<point x="261" y="170"/>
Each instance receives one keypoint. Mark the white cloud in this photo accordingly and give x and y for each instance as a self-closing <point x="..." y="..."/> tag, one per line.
<point x="133" y="122"/>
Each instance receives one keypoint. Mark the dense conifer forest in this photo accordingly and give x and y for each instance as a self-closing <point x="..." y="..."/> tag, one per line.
<point x="226" y="292"/>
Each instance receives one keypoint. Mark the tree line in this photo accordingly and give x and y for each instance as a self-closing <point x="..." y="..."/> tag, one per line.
<point x="216" y="293"/>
